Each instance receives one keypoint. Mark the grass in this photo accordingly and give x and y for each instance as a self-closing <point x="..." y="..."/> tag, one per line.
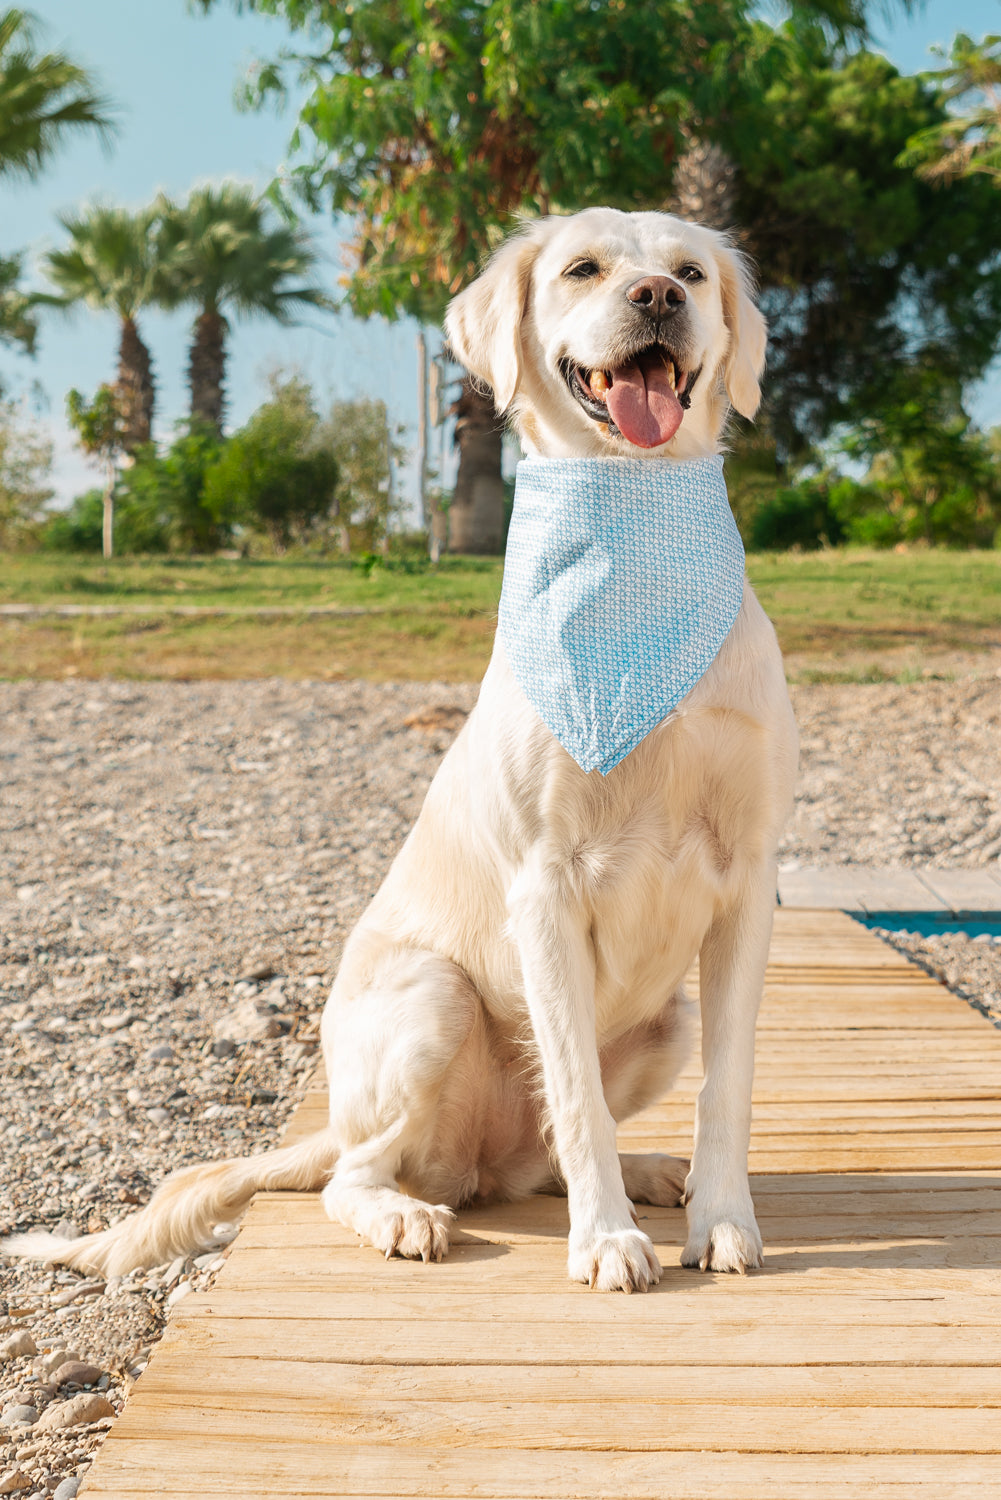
<point x="848" y="615"/>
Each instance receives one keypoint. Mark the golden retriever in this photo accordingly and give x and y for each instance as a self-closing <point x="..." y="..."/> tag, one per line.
<point x="515" y="987"/>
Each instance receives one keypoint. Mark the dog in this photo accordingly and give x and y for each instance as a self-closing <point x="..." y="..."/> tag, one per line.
<point x="515" y="987"/>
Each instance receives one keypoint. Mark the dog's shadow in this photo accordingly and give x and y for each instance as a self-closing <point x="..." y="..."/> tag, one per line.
<point x="809" y="1221"/>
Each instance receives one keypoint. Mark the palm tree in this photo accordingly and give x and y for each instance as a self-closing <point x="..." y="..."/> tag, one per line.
<point x="224" y="251"/>
<point x="111" y="264"/>
<point x="42" y="96"/>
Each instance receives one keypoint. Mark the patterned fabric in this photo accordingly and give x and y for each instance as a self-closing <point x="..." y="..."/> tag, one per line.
<point x="622" y="579"/>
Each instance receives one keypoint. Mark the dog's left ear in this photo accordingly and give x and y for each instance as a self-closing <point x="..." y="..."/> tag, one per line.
<point x="483" y="323"/>
<point x="745" y="357"/>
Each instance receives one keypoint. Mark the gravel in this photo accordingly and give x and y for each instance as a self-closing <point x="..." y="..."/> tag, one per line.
<point x="182" y="863"/>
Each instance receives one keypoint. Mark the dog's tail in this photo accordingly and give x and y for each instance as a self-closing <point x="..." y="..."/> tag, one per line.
<point x="183" y="1212"/>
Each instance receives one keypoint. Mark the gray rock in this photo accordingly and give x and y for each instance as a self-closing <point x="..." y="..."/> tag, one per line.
<point x="66" y="1489"/>
<point x="224" y="1047"/>
<point x="163" y="1052"/>
<point x="19" y="1416"/>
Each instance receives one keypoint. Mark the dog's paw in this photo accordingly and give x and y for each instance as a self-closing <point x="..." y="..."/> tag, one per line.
<point x="724" y="1246"/>
<point x="417" y="1233"/>
<point x="654" y="1178"/>
<point x="623" y="1261"/>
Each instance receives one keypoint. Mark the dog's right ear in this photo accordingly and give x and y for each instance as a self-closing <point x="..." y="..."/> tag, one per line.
<point x="483" y="323"/>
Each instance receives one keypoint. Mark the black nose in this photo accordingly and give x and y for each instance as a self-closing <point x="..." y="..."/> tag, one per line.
<point x="657" y="295"/>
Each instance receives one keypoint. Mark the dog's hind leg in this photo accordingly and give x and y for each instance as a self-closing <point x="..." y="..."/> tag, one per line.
<point x="388" y="1048"/>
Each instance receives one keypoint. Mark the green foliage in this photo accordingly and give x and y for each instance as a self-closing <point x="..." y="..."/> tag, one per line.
<point x="273" y="473"/>
<point x="111" y="263"/>
<point x="97" y="422"/>
<point x="171" y="487"/>
<point x="18" y="327"/>
<point x="25" y="465"/>
<point x="866" y="269"/>
<point x="969" y="140"/>
<point x="140" y="526"/>
<point x="43" y="96"/>
<point x="800" y="517"/>
<point x="366" y="451"/>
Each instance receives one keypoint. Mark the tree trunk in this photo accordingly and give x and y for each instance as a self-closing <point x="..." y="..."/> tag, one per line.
<point x="476" y="515"/>
<point x="135" y="389"/>
<point x="107" y="545"/>
<point x="207" y="369"/>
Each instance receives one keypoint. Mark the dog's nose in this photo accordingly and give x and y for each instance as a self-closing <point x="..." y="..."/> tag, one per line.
<point x="657" y="295"/>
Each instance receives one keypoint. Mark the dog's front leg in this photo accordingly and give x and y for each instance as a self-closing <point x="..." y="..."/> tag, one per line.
<point x="722" y="1230"/>
<point x="606" y="1249"/>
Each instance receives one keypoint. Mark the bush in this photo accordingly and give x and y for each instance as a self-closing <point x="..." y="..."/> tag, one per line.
<point x="798" y="516"/>
<point x="172" y="487"/>
<point x="139" y="526"/>
<point x="271" y="474"/>
<point x="25" y="462"/>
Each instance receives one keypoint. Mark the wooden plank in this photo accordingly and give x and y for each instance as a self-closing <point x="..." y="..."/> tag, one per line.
<point x="729" y="1341"/>
<point x="273" y="1385"/>
<point x="317" y="1467"/>
<point x="488" y="1420"/>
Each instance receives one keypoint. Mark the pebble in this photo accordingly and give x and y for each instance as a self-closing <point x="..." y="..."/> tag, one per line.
<point x="89" y="1406"/>
<point x="13" y="1482"/>
<point x="19" y="1416"/>
<point x="77" y="1372"/>
<point x="18" y="1345"/>
<point x="66" y="1489"/>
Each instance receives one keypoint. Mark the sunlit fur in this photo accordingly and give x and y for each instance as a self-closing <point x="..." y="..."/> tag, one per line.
<point x="515" y="987"/>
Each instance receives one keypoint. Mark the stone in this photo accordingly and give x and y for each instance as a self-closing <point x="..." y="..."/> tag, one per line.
<point x="18" y="1345"/>
<point x="162" y="1052"/>
<point x="13" y="1482"/>
<point x="66" y="1489"/>
<point x="89" y="1406"/>
<point x="224" y="1047"/>
<point x="19" y="1416"/>
<point x="77" y="1372"/>
<point x="158" y="1115"/>
<point x="55" y="1357"/>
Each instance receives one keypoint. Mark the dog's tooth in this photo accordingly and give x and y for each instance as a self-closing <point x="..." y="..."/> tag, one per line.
<point x="599" y="383"/>
<point x="670" y="373"/>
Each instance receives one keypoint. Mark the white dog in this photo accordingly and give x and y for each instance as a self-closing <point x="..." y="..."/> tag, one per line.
<point x="515" y="987"/>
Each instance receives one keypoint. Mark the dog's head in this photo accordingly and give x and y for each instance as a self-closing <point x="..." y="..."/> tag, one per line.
<point x="614" y="333"/>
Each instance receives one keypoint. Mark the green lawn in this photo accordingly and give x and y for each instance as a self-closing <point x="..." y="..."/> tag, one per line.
<point x="848" y="615"/>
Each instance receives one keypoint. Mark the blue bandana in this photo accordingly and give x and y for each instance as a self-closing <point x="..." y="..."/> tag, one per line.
<point x="622" y="579"/>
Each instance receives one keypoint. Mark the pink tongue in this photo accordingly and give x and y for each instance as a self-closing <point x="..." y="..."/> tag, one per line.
<point x="643" y="406"/>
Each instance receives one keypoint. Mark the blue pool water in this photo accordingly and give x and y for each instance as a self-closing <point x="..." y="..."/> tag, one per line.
<point x="928" y="923"/>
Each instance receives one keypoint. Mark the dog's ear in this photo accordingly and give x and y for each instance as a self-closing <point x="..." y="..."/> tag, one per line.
<point x="745" y="357"/>
<point x="483" y="323"/>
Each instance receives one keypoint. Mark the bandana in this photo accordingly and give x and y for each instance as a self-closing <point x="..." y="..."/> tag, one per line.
<point x="622" y="579"/>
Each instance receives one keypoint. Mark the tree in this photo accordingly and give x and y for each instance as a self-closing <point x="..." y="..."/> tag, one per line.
<point x="99" y="430"/>
<point x="366" y="452"/>
<point x="224" y="251"/>
<point x="25" y="463"/>
<point x="434" y="125"/>
<point x="43" y="98"/>
<point x="969" y="140"/>
<point x="867" y="271"/>
<point x="273" y="473"/>
<point x="112" y="264"/>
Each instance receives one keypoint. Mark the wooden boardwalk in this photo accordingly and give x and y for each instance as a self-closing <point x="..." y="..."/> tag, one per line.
<point x="863" y="1361"/>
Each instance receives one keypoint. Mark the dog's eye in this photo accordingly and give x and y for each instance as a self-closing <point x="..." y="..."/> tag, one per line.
<point x="691" y="273"/>
<point x="582" y="270"/>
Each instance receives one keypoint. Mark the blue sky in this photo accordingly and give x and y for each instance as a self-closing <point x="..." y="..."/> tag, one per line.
<point x="172" y="74"/>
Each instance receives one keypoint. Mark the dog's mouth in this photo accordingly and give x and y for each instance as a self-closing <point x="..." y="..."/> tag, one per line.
<point x="643" y="400"/>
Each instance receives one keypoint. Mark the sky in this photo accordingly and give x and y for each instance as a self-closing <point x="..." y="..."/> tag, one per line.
<point x="171" y="74"/>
